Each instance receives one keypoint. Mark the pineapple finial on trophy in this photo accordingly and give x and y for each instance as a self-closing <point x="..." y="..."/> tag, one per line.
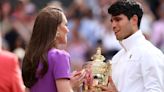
<point x="98" y="56"/>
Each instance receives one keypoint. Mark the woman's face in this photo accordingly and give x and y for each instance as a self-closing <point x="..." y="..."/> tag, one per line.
<point x="62" y="31"/>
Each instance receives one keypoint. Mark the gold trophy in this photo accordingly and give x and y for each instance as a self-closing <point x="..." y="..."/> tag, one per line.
<point x="98" y="72"/>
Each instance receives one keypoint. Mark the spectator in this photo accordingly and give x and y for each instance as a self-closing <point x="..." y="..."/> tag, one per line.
<point x="10" y="79"/>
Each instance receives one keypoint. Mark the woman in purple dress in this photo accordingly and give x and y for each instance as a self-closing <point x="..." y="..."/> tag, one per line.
<point x="45" y="67"/>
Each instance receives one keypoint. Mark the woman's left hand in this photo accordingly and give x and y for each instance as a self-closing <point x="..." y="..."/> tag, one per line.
<point x="77" y="78"/>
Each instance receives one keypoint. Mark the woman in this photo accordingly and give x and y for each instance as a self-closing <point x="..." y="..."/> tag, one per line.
<point x="45" y="67"/>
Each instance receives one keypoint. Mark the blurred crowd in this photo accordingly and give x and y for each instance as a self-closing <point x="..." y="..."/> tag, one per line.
<point x="88" y="22"/>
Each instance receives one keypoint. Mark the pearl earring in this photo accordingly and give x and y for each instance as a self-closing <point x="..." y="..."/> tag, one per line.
<point x="57" y="34"/>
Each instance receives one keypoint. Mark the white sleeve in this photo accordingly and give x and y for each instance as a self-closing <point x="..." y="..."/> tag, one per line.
<point x="152" y="68"/>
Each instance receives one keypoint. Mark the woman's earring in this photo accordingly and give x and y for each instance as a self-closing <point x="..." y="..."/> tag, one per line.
<point x="57" y="37"/>
<point x="57" y="34"/>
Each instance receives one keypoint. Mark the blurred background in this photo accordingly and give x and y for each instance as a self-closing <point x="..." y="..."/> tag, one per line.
<point x="88" y="22"/>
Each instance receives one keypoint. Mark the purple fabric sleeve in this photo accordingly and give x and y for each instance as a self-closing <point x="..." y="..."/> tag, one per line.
<point x="61" y="67"/>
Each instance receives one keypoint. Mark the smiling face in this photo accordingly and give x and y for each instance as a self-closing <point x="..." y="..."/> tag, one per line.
<point x="62" y="31"/>
<point x="122" y="26"/>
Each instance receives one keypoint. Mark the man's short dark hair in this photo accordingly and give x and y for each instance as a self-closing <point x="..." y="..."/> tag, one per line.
<point x="126" y="7"/>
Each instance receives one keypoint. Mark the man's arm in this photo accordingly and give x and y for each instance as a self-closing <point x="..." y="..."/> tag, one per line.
<point x="152" y="68"/>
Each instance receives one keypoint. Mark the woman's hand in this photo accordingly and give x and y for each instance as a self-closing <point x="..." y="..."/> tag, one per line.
<point x="77" y="78"/>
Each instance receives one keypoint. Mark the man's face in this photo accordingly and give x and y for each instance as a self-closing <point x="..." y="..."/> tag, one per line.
<point x="121" y="26"/>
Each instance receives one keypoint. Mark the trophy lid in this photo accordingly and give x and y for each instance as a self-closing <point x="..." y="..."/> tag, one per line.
<point x="98" y="66"/>
<point x="99" y="71"/>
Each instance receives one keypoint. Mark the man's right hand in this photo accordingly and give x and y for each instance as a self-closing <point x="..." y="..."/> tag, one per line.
<point x="110" y="87"/>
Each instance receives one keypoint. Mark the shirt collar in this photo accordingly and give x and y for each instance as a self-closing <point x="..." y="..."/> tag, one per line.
<point x="131" y="41"/>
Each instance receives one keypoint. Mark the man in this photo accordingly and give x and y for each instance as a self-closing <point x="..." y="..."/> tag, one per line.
<point x="10" y="74"/>
<point x="139" y="66"/>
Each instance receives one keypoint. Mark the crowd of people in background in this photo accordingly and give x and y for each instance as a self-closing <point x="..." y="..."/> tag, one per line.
<point x="88" y="22"/>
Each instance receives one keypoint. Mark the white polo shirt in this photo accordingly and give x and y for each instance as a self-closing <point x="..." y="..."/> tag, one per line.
<point x="139" y="66"/>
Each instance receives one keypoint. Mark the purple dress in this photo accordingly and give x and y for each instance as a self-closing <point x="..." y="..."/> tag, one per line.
<point x="59" y="67"/>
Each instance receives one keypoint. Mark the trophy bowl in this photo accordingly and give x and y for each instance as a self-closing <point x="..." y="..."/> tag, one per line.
<point x="97" y="72"/>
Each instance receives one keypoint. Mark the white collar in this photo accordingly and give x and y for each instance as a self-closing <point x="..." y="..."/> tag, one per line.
<point x="132" y="40"/>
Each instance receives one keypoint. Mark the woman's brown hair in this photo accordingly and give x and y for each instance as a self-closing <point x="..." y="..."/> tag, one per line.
<point x="42" y="39"/>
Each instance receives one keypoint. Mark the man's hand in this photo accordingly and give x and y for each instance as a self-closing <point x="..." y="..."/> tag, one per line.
<point x="110" y="88"/>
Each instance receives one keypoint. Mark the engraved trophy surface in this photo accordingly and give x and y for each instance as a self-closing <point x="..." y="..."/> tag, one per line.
<point x="98" y="72"/>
